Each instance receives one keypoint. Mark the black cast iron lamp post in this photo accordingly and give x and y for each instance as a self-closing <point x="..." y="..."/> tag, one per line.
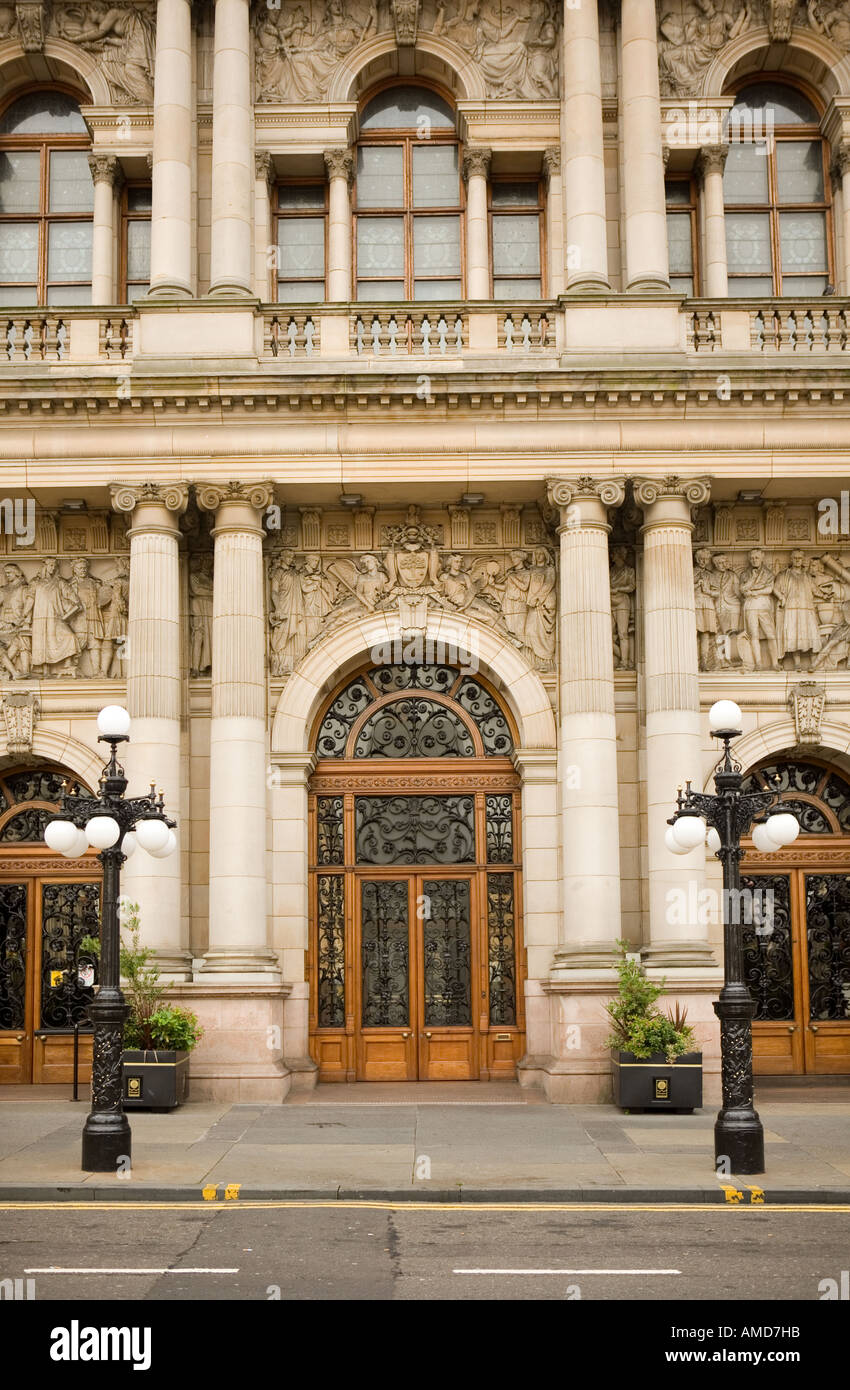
<point x="114" y="826"/>
<point x="720" y="819"/>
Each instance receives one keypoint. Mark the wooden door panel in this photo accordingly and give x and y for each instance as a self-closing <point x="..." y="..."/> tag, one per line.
<point x="825" y="947"/>
<point x="15" y="983"/>
<point x="449" y="971"/>
<point x="771" y="971"/>
<point x="448" y="1055"/>
<point x="53" y="1058"/>
<point x="386" y="980"/>
<point x="777" y="1049"/>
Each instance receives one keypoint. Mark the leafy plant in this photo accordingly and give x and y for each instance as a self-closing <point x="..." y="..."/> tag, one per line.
<point x="152" y="1023"/>
<point x="638" y="1025"/>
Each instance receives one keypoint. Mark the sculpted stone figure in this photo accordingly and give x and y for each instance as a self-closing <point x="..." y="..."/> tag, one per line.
<point x="623" y="585"/>
<point x="15" y="623"/>
<point x="301" y="599"/>
<point x="88" y="623"/>
<point x="833" y="21"/>
<point x="123" y="38"/>
<point x="757" y="587"/>
<point x="689" y="42"/>
<point x="200" y="614"/>
<point x="54" y="641"/>
<point x="116" y="615"/>
<point x="797" y="624"/>
<point x="706" y="588"/>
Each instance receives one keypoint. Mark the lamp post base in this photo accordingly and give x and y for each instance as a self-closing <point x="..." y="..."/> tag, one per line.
<point x="107" y="1143"/>
<point x="738" y="1142"/>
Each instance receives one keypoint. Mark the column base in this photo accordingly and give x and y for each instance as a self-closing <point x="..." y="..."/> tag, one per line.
<point x="167" y="290"/>
<point x="678" y="955"/>
<point x="245" y="965"/>
<point x="230" y="289"/>
<point x="650" y="284"/>
<point x="588" y="282"/>
<point x="585" y="956"/>
<point x="174" y="966"/>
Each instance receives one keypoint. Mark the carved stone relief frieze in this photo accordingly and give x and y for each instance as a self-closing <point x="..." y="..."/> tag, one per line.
<point x="298" y="46"/>
<point x="64" y="617"/>
<point x="412" y="569"/>
<point x="623" y="585"/>
<point x="122" y="39"/>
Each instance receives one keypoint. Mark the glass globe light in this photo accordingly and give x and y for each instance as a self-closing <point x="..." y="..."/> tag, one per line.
<point x="61" y="836"/>
<point x="79" y="848"/>
<point x="712" y="840"/>
<point x="113" y="722"/>
<point x="689" y="831"/>
<point x="102" y="832"/>
<point x="725" y="717"/>
<point x="764" y="841"/>
<point x="168" y="848"/>
<point x="152" y="835"/>
<point x="128" y="844"/>
<point x="783" y="827"/>
<point x="673" y="846"/>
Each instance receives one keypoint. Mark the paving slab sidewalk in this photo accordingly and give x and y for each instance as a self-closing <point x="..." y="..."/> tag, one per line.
<point x="506" y="1144"/>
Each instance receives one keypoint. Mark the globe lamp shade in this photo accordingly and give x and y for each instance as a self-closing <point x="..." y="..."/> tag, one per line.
<point x="102" y="832"/>
<point x="784" y="827"/>
<point x="712" y="840"/>
<point x="152" y="835"/>
<point x="764" y="841"/>
<point x="689" y="831"/>
<point x="725" y="717"/>
<point x="128" y="844"/>
<point x="79" y="847"/>
<point x="113" y="722"/>
<point x="60" y="836"/>
<point x="672" y="844"/>
<point x="168" y="848"/>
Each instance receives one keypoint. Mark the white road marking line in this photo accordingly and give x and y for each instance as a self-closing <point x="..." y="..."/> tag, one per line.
<point x="54" y="1269"/>
<point x="566" y="1271"/>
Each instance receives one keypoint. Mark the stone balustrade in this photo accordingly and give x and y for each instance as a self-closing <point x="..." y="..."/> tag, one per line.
<point x="804" y="327"/>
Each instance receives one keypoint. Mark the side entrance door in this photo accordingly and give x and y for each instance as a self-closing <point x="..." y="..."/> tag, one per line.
<point x="421" y="998"/>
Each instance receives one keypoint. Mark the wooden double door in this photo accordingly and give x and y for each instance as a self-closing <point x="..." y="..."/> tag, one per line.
<point x="45" y="910"/>
<point x="797" y="967"/>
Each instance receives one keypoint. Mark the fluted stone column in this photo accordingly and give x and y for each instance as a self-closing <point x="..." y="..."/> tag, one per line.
<point x="590" y="834"/>
<point x="232" y="151"/>
<point x="340" y="167"/>
<point x="710" y="163"/>
<point x="153" y="700"/>
<point x="106" y="176"/>
<point x="265" y="269"/>
<point x="581" y="143"/>
<point x="841" y="196"/>
<point x="673" y="720"/>
<point x="555" y="204"/>
<point x="643" y="170"/>
<point x="171" y="185"/>
<point x="238" y="942"/>
<point x="476" y="171"/>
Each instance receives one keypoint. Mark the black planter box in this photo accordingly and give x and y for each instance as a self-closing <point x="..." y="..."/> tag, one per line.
<point x="652" y="1083"/>
<point x="154" y="1080"/>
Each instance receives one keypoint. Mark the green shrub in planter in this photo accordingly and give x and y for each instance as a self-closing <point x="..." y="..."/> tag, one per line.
<point x="646" y="1045"/>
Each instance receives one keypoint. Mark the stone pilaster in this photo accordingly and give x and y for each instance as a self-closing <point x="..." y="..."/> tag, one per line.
<point x="590" y="836"/>
<point x="585" y="235"/>
<point x="265" y="277"/>
<point x="238" y="942"/>
<point x="339" y="164"/>
<point x="841" y="200"/>
<point x="107" y="177"/>
<point x="232" y="152"/>
<point x="710" y="164"/>
<point x="643" y="168"/>
<point x="677" y="940"/>
<point x="555" y="203"/>
<point x="173" y="121"/>
<point x="153" y="700"/>
<point x="476" y="171"/>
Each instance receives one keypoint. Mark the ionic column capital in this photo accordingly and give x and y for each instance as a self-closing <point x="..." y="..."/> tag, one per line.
<point x="710" y="160"/>
<point x="476" y="162"/>
<point x="264" y="166"/>
<point x="679" y="495"/>
<point x="839" y="164"/>
<point x="237" y="505"/>
<point x="173" y="497"/>
<point x="339" y="163"/>
<point x="551" y="163"/>
<point x="584" y="502"/>
<point x="106" y="168"/>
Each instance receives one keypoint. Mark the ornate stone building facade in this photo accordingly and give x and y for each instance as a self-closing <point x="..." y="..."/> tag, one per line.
<point x="418" y="412"/>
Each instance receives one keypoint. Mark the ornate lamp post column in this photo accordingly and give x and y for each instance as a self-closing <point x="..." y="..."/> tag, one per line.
<point x="726" y="816"/>
<point x="107" y="822"/>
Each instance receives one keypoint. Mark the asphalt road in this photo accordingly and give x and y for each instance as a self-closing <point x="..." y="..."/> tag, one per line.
<point x="226" y="1252"/>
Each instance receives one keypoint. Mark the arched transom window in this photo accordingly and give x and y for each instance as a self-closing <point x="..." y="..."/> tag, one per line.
<point x="408" y="198"/>
<point x="776" y="195"/>
<point x="46" y="202"/>
<point x="818" y="795"/>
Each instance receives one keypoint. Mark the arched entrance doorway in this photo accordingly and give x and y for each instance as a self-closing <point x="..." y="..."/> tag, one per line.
<point x="797" y="958"/>
<point x="47" y="904"/>
<point x="415" y="955"/>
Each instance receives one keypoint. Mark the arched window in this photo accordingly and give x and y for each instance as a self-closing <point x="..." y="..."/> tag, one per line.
<point x="408" y="198"/>
<point x="46" y="201"/>
<point x="776" y="195"/>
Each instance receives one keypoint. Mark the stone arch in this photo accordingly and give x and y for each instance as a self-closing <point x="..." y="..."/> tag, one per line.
<point x="69" y="65"/>
<point x="436" y="58"/>
<point x="780" y="737"/>
<point x="328" y="664"/>
<point x="53" y="747"/>
<point x="808" y="56"/>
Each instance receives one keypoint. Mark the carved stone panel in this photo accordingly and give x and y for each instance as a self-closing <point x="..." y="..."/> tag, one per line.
<point x="122" y="39"/>
<point x="64" y="617"/>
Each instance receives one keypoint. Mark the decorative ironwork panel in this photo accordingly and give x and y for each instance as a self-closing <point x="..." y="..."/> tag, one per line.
<point x="414" y="728"/>
<point x="26" y="827"/>
<point x="337" y="723"/>
<point x="828" y="936"/>
<point x="785" y="777"/>
<point x="39" y="784"/>
<point x="331" y="950"/>
<point x="447" y="952"/>
<point x="501" y="939"/>
<point x="13" y="954"/>
<point x="491" y="722"/>
<point x="414" y="829"/>
<point x="329" y="839"/>
<point x="385" y="953"/>
<point x="412" y="677"/>
<point x="500" y="829"/>
<point x="768" y="961"/>
<point x="69" y="911"/>
<point x="811" y="818"/>
<point x="836" y="794"/>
